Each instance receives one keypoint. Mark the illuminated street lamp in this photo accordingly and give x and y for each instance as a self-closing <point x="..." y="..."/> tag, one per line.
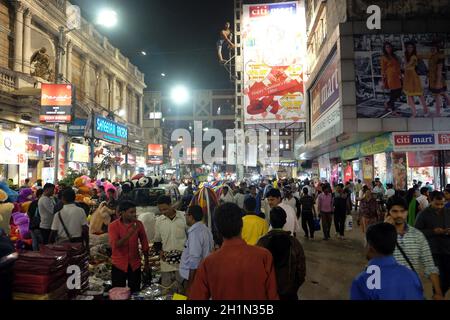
<point x="179" y="95"/>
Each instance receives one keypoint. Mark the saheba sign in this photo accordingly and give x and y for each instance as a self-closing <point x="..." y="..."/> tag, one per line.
<point x="110" y="131"/>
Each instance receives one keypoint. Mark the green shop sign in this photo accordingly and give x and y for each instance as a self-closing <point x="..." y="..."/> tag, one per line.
<point x="375" y="145"/>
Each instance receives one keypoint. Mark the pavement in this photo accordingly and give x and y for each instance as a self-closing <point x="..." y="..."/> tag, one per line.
<point x="332" y="265"/>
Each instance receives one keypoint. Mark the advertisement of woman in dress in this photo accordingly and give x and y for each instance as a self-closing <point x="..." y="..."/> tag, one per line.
<point x="402" y="75"/>
<point x="399" y="171"/>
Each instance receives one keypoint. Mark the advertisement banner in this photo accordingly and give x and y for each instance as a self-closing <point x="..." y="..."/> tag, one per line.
<point x="110" y="131"/>
<point x="368" y="170"/>
<point x="274" y="49"/>
<point x="380" y="144"/>
<point x="56" y="103"/>
<point x="78" y="153"/>
<point x="12" y="147"/>
<point x="155" y="154"/>
<point x="348" y="173"/>
<point x="398" y="75"/>
<point x="325" y="99"/>
<point x="399" y="170"/>
<point x="419" y="159"/>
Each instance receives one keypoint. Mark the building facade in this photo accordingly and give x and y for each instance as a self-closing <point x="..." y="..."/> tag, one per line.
<point x="105" y="81"/>
<point x="368" y="110"/>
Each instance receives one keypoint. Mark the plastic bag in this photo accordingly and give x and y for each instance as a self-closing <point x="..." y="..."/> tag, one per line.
<point x="348" y="223"/>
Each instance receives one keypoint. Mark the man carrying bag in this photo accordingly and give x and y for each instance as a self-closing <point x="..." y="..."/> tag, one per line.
<point x="70" y="224"/>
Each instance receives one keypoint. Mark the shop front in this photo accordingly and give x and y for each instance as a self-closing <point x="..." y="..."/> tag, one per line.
<point x="425" y="156"/>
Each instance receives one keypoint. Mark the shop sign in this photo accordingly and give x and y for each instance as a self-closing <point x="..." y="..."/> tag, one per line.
<point x="110" y="131"/>
<point x="325" y="99"/>
<point x="77" y="128"/>
<point x="285" y="164"/>
<point x="155" y="154"/>
<point x="380" y="144"/>
<point x="140" y="162"/>
<point x="420" y="141"/>
<point x="56" y="103"/>
<point x="78" y="153"/>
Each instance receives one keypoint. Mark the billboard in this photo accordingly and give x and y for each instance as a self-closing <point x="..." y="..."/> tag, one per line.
<point x="77" y="128"/>
<point x="56" y="103"/>
<point x="110" y="131"/>
<point x="274" y="50"/>
<point x="325" y="99"/>
<point x="155" y="154"/>
<point x="411" y="82"/>
<point x="78" y="153"/>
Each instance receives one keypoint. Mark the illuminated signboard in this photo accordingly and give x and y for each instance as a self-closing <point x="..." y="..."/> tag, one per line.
<point x="155" y="154"/>
<point x="274" y="50"/>
<point x="110" y="131"/>
<point x="56" y="103"/>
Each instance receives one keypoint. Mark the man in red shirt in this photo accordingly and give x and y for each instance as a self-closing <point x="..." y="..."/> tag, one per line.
<point x="124" y="237"/>
<point x="236" y="271"/>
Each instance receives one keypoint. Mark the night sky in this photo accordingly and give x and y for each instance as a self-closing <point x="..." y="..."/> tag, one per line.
<point x="179" y="37"/>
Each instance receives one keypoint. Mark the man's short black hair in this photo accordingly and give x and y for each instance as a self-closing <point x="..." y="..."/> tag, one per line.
<point x="49" y="186"/>
<point x="164" y="200"/>
<point x="382" y="237"/>
<point x="27" y="180"/>
<point x="111" y="190"/>
<point x="228" y="219"/>
<point x="39" y="192"/>
<point x="397" y="201"/>
<point x="277" y="217"/>
<point x="437" y="195"/>
<point x="102" y="188"/>
<point x="423" y="190"/>
<point x="305" y="191"/>
<point x="250" y="204"/>
<point x="196" y="212"/>
<point x="274" y="193"/>
<point x="125" y="205"/>
<point x="68" y="195"/>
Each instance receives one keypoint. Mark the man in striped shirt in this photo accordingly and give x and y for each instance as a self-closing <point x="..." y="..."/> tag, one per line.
<point x="412" y="248"/>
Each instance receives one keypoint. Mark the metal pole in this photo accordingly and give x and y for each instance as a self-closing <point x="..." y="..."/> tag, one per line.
<point x="92" y="145"/>
<point x="126" y="163"/>
<point x="59" y="79"/>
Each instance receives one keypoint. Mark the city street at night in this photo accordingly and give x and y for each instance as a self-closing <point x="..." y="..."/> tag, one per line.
<point x="242" y="158"/>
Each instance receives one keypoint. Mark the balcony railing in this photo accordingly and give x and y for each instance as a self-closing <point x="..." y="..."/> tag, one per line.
<point x="9" y="80"/>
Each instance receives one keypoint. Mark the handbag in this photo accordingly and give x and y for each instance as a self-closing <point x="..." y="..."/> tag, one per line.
<point x="348" y="223"/>
<point x="316" y="224"/>
<point x="72" y="240"/>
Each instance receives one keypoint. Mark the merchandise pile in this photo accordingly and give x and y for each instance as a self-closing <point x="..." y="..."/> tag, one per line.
<point x="77" y="256"/>
<point x="40" y="276"/>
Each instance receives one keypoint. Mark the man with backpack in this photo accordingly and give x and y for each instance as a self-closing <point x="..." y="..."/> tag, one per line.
<point x="288" y="256"/>
<point x="35" y="220"/>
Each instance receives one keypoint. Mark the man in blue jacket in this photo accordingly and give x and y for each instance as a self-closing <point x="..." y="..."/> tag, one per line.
<point x="385" y="278"/>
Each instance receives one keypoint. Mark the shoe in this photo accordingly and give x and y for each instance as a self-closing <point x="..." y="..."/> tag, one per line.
<point x="326" y="239"/>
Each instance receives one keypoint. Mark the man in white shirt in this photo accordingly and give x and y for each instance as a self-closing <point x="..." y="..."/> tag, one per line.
<point x="289" y="199"/>
<point x="423" y="198"/>
<point x="390" y="192"/>
<point x="239" y="197"/>
<point x="70" y="224"/>
<point x="274" y="200"/>
<point x="46" y="205"/>
<point x="170" y="238"/>
<point x="378" y="189"/>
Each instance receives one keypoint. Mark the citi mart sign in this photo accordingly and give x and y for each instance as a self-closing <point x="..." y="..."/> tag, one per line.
<point x="420" y="141"/>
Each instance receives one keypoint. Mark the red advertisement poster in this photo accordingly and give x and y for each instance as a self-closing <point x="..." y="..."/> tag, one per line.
<point x="423" y="159"/>
<point x="348" y="174"/>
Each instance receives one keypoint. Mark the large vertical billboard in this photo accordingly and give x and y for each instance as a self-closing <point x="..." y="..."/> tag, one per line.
<point x="155" y="154"/>
<point x="274" y="50"/>
<point x="56" y="103"/>
<point x="402" y="75"/>
<point x="325" y="99"/>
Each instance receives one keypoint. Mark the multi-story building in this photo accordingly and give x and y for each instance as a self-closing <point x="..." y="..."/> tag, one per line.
<point x="361" y="123"/>
<point x="105" y="82"/>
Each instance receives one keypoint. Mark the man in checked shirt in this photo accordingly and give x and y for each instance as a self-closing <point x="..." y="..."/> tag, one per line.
<point x="412" y="248"/>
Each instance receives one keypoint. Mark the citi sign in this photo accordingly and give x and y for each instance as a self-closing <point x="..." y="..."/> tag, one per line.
<point x="270" y="9"/>
<point x="414" y="139"/>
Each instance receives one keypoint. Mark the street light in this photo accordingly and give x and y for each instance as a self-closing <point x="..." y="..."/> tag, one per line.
<point x="107" y="18"/>
<point x="179" y="95"/>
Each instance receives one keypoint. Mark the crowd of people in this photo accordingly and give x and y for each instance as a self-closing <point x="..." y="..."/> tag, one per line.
<point x="259" y="255"/>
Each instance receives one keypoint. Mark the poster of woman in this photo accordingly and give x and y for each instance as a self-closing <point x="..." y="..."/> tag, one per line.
<point x="399" y="171"/>
<point x="402" y="75"/>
